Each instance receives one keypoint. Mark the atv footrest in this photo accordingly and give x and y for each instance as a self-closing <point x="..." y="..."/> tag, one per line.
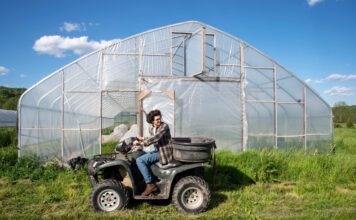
<point x="150" y="197"/>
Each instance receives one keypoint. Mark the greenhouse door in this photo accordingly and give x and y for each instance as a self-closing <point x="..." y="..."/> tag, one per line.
<point x="119" y="114"/>
<point x="161" y="100"/>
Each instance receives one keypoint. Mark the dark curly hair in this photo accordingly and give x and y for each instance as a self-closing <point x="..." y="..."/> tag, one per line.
<point x="151" y="115"/>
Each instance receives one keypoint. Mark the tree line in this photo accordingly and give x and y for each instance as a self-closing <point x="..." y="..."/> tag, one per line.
<point x="344" y="114"/>
<point x="9" y="97"/>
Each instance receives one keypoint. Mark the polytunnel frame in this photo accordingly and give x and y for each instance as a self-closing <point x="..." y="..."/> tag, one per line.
<point x="243" y="100"/>
<point x="274" y="101"/>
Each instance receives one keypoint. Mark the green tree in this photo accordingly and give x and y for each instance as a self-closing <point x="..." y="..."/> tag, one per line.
<point x="340" y="103"/>
<point x="9" y="97"/>
<point x="349" y="124"/>
<point x="10" y="104"/>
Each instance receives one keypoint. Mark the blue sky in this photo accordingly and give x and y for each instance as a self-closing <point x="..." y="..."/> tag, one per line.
<point x="315" y="39"/>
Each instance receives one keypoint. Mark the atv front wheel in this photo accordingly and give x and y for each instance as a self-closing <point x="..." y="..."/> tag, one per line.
<point x="108" y="196"/>
<point x="191" y="195"/>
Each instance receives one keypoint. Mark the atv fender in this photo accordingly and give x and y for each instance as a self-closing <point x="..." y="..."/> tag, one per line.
<point x="168" y="176"/>
<point x="170" y="173"/>
<point x="117" y="163"/>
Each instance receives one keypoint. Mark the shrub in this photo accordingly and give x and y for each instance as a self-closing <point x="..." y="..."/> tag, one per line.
<point x="337" y="125"/>
<point x="8" y="158"/>
<point x="25" y="168"/>
<point x="270" y="166"/>
<point x="7" y="137"/>
<point x="349" y="124"/>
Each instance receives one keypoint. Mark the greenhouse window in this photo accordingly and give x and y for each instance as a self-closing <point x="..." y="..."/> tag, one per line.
<point x="179" y="41"/>
<point x="193" y="53"/>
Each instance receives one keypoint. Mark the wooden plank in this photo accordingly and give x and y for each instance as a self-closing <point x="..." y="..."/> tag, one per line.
<point x="142" y="94"/>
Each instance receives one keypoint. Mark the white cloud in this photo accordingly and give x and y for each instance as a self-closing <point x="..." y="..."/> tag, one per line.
<point x="311" y="3"/>
<point x="339" y="91"/>
<point x="339" y="77"/>
<point x="58" y="46"/>
<point x="334" y="77"/>
<point x="4" y="71"/>
<point x="93" y="24"/>
<point x="23" y="76"/>
<point x="351" y="77"/>
<point x="69" y="27"/>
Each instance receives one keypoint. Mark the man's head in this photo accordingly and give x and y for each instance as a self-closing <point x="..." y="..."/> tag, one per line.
<point x="154" y="118"/>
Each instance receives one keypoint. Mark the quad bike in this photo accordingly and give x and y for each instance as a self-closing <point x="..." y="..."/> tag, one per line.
<point x="116" y="179"/>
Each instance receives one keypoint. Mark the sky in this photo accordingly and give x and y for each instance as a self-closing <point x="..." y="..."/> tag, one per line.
<point x="314" y="39"/>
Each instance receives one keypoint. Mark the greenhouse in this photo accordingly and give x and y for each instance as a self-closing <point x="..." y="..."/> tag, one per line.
<point x="205" y="82"/>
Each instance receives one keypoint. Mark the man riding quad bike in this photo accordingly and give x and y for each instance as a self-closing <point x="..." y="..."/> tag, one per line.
<point x="116" y="179"/>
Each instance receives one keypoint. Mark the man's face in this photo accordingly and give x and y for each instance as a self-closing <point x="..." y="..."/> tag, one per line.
<point x="157" y="121"/>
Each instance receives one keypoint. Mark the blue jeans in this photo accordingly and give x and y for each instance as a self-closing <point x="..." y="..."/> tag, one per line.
<point x="144" y="163"/>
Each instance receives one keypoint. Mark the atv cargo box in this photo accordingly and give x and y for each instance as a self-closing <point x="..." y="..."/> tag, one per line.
<point x="193" y="149"/>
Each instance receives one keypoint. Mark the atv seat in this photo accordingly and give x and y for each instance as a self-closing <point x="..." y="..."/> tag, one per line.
<point x="172" y="164"/>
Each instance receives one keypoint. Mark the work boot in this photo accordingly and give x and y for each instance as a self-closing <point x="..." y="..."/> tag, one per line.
<point x="150" y="187"/>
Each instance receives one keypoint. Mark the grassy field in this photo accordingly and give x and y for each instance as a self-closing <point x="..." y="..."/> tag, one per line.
<point x="249" y="185"/>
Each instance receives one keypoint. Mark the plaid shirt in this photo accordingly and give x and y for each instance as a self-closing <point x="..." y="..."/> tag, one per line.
<point x="162" y="140"/>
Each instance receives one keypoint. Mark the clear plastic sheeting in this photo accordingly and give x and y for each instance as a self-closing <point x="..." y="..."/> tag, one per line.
<point x="259" y="84"/>
<point x="81" y="143"/>
<point x="83" y="75"/>
<point x="317" y="115"/>
<point x="163" y="102"/>
<point x="291" y="143"/>
<point x="288" y="87"/>
<point x="260" y="118"/>
<point x="119" y="71"/>
<point x="260" y="142"/>
<point x="317" y="143"/>
<point x="209" y="109"/>
<point x="205" y="81"/>
<point x="118" y="108"/>
<point x="228" y="57"/>
<point x="42" y="143"/>
<point x="290" y="119"/>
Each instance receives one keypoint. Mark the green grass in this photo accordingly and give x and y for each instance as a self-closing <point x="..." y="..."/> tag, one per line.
<point x="249" y="185"/>
<point x="108" y="147"/>
<point x="8" y="137"/>
<point x="345" y="141"/>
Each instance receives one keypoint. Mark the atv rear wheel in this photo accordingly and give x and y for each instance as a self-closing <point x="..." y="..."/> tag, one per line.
<point x="108" y="196"/>
<point x="191" y="195"/>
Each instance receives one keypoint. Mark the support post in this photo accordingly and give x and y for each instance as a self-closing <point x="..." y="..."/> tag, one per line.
<point x="275" y="106"/>
<point x="171" y="53"/>
<point x="62" y="118"/>
<point x="214" y="65"/>
<point x="184" y="59"/>
<point x="140" y="52"/>
<point x="203" y="50"/>
<point x="101" y="99"/>
<point x="242" y="97"/>
<point x="174" y="113"/>
<point x="305" y="117"/>
<point x="142" y="94"/>
<point x="140" y="115"/>
<point x="19" y="130"/>
<point x="101" y="118"/>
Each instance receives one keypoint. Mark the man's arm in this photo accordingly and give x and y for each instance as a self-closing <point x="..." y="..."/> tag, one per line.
<point x="159" y="134"/>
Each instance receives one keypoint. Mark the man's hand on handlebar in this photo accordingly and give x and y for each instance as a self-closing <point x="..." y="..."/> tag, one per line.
<point x="138" y="143"/>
